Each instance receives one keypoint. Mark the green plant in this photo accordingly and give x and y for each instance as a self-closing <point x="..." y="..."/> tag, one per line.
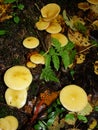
<point x="16" y="5"/>
<point x="2" y="32"/>
<point x="55" y="57"/>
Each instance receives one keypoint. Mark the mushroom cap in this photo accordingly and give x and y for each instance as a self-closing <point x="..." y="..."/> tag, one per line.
<point x="18" y="77"/>
<point x="30" y="42"/>
<point x="54" y="28"/>
<point x="16" y="98"/>
<point x="95" y="23"/>
<point x="61" y="38"/>
<point x="30" y="64"/>
<point x="50" y="11"/>
<point x="4" y="124"/>
<point x="12" y="121"/>
<point x="37" y="58"/>
<point x="93" y="1"/>
<point x="73" y="98"/>
<point x="42" y="25"/>
<point x="83" y="5"/>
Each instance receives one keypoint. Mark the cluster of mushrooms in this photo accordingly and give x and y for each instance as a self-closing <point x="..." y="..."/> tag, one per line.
<point x="18" y="78"/>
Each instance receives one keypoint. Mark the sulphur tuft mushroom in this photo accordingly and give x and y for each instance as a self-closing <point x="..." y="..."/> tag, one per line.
<point x="30" y="42"/>
<point x="50" y="11"/>
<point x="37" y="58"/>
<point x="61" y="38"/>
<point x="73" y="98"/>
<point x="18" y="77"/>
<point x="16" y="98"/>
<point x="30" y="64"/>
<point x="96" y="67"/>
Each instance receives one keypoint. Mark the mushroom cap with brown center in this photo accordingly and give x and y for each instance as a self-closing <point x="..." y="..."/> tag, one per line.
<point x="18" y="77"/>
<point x="73" y="98"/>
<point x="93" y="1"/>
<point x="50" y="11"/>
<point x="61" y="38"/>
<point x="30" y="42"/>
<point x="84" y="6"/>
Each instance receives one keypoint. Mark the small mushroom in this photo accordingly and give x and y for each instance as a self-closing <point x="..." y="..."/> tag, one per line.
<point x="30" y="64"/>
<point x="18" y="77"/>
<point x="93" y="1"/>
<point x="16" y="98"/>
<point x="83" y="6"/>
<point x="41" y="24"/>
<point x="30" y="42"/>
<point x="50" y="11"/>
<point x="61" y="38"/>
<point x="37" y="58"/>
<point x="54" y="27"/>
<point x="95" y="25"/>
<point x="73" y="98"/>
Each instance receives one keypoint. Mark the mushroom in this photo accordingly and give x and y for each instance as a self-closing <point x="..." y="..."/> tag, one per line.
<point x="12" y="121"/>
<point x="18" y="77"/>
<point x="41" y="24"/>
<point x="54" y="27"/>
<point x="73" y="98"/>
<point x="30" y="42"/>
<point x="9" y="123"/>
<point x="16" y="98"/>
<point x="95" y="25"/>
<point x="50" y="11"/>
<point x="4" y="124"/>
<point x="61" y="38"/>
<point x="93" y="1"/>
<point x="30" y="64"/>
<point x="37" y="58"/>
<point x="83" y="6"/>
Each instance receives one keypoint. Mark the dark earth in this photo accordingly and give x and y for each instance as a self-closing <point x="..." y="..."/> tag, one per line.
<point x="12" y="52"/>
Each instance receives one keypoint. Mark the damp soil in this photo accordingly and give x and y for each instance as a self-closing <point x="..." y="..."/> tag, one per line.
<point x="12" y="52"/>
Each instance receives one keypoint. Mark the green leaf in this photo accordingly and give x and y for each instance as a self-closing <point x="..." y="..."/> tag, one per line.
<point x="51" y="120"/>
<point x="2" y="32"/>
<point x="65" y="58"/>
<point x="16" y="19"/>
<point x="96" y="108"/>
<point x="48" y="75"/>
<point x="80" y="27"/>
<point x="9" y="1"/>
<point x="56" y="44"/>
<point x="21" y="6"/>
<point x="56" y="62"/>
<point x="52" y="51"/>
<point x="82" y="118"/>
<point x="69" y="116"/>
<point x="69" y="46"/>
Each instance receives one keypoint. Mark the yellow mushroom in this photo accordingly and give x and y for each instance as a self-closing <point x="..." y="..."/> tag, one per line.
<point x="30" y="64"/>
<point x="16" y="98"/>
<point x="37" y="58"/>
<point x="12" y="121"/>
<point x="50" y="11"/>
<point x="73" y="98"/>
<point x="18" y="77"/>
<point x="4" y="124"/>
<point x="54" y="27"/>
<point x="80" y="58"/>
<point x="30" y="42"/>
<point x="41" y="24"/>
<point x="61" y="38"/>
